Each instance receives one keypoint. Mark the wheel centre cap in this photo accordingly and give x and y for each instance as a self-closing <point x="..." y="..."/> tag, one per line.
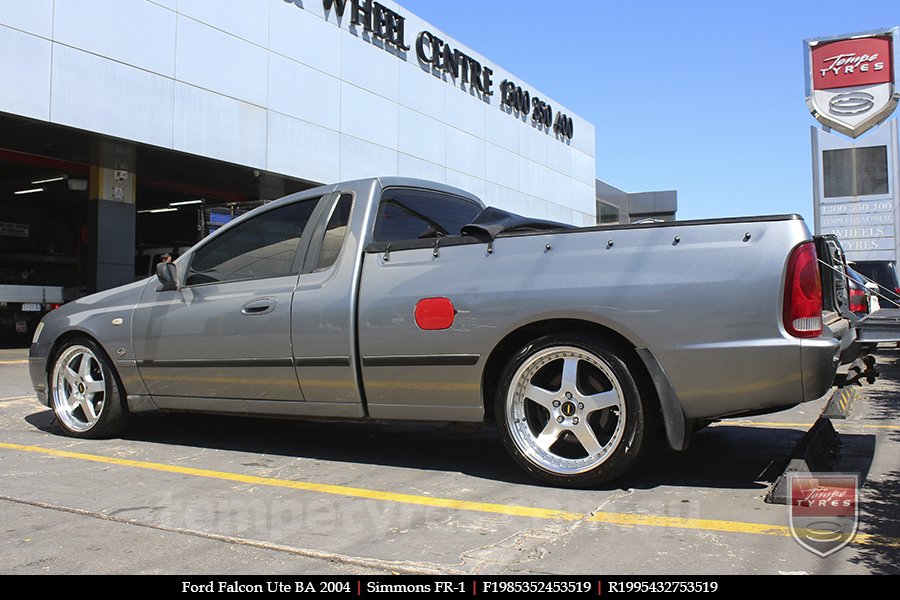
<point x="80" y="388"/>
<point x="568" y="409"/>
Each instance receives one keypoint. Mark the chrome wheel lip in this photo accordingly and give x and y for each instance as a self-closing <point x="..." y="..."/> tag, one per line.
<point x="75" y="390"/>
<point x="517" y="419"/>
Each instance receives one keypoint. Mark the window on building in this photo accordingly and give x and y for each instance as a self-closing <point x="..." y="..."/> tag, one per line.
<point x="264" y="246"/>
<point x="410" y="214"/>
<point x="608" y="214"/>
<point x="855" y="171"/>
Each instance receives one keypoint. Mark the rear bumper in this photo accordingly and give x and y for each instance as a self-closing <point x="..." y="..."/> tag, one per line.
<point x="819" y="361"/>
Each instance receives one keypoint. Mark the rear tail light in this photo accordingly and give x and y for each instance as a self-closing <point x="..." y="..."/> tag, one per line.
<point x="803" y="293"/>
<point x="53" y="306"/>
<point x="858" y="301"/>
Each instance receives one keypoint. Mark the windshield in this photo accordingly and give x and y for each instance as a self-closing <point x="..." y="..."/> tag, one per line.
<point x="881" y="272"/>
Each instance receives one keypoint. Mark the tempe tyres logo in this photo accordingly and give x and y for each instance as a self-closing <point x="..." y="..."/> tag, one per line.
<point x="823" y="510"/>
<point x="851" y="80"/>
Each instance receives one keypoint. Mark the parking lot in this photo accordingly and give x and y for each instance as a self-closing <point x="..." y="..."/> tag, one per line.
<point x="210" y="494"/>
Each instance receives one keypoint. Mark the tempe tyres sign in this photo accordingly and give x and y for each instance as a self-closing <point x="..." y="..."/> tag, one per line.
<point x="852" y="80"/>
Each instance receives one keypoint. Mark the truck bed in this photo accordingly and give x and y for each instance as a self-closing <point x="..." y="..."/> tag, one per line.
<point x="703" y="296"/>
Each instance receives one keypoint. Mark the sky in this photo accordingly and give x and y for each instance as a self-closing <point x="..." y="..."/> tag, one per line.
<point x="700" y="96"/>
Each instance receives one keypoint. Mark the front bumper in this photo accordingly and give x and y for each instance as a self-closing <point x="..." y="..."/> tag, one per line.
<point x="37" y="369"/>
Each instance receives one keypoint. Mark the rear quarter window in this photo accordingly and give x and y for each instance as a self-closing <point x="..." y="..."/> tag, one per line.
<point x="410" y="214"/>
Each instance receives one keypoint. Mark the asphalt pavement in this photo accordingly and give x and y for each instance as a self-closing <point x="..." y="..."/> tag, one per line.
<point x="214" y="494"/>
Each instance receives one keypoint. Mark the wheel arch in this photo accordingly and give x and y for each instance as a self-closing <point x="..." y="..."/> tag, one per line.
<point x="73" y="334"/>
<point x="61" y="341"/>
<point x="514" y="341"/>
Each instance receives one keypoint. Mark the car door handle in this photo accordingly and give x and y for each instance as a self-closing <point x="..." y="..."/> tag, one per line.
<point x="259" y="306"/>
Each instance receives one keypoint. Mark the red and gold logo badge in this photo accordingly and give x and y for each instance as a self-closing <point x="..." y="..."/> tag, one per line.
<point x="823" y="510"/>
<point x="851" y="80"/>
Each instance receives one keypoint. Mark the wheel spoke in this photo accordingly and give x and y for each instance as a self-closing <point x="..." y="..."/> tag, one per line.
<point x="587" y="438"/>
<point x="608" y="399"/>
<point x="71" y="377"/>
<point x="84" y="368"/>
<point x="538" y="394"/>
<point x="549" y="435"/>
<point x="570" y="373"/>
<point x="94" y="387"/>
<point x="88" y="407"/>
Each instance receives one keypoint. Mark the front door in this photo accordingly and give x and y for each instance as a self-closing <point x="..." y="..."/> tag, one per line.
<point x="225" y="334"/>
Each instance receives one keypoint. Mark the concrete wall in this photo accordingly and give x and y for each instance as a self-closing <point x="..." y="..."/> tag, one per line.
<point x="282" y="86"/>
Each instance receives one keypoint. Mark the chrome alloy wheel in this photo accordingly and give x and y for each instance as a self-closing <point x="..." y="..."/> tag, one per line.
<point x="78" y="388"/>
<point x="566" y="410"/>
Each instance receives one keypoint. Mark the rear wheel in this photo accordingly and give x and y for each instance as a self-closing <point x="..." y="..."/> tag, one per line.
<point x="84" y="391"/>
<point x="570" y="412"/>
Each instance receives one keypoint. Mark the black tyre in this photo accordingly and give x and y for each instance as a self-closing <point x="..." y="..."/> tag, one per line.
<point x="570" y="413"/>
<point x="85" y="392"/>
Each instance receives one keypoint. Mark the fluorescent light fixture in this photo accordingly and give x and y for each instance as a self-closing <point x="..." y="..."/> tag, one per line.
<point x="31" y="191"/>
<point x="157" y="210"/>
<point x="49" y="180"/>
<point x="186" y="202"/>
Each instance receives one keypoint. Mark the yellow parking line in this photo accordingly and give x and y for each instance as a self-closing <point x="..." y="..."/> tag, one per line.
<point x="324" y="488"/>
<point x="686" y="523"/>
<point x="11" y="398"/>
<point x="608" y="518"/>
<point x="793" y="425"/>
<point x="14" y="362"/>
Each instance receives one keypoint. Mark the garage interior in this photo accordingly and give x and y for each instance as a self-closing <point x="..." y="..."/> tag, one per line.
<point x="62" y="226"/>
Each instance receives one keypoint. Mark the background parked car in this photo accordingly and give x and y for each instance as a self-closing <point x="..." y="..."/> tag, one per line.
<point x="860" y="295"/>
<point x="884" y="273"/>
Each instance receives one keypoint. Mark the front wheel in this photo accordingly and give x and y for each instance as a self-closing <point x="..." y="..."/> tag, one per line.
<point x="570" y="413"/>
<point x="84" y="391"/>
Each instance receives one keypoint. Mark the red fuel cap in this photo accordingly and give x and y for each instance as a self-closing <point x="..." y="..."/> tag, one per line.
<point x="434" y="313"/>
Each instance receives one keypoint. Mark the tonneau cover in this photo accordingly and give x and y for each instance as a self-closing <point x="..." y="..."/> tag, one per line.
<point x="491" y="222"/>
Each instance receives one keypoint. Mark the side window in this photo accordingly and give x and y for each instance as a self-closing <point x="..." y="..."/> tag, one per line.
<point x="264" y="246"/>
<point x="335" y="232"/>
<point x="409" y="214"/>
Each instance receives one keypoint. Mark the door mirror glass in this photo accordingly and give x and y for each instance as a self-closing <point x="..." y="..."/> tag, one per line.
<point x="168" y="276"/>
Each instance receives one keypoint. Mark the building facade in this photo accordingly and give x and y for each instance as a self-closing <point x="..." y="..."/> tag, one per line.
<point x="618" y="207"/>
<point x="128" y="124"/>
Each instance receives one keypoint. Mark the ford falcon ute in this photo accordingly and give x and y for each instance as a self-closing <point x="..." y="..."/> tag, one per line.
<point x="400" y="299"/>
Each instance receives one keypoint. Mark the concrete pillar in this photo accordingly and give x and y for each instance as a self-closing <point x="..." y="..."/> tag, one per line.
<point x="111" y="216"/>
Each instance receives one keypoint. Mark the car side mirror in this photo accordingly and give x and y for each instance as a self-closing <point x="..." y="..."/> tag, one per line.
<point x="168" y="277"/>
